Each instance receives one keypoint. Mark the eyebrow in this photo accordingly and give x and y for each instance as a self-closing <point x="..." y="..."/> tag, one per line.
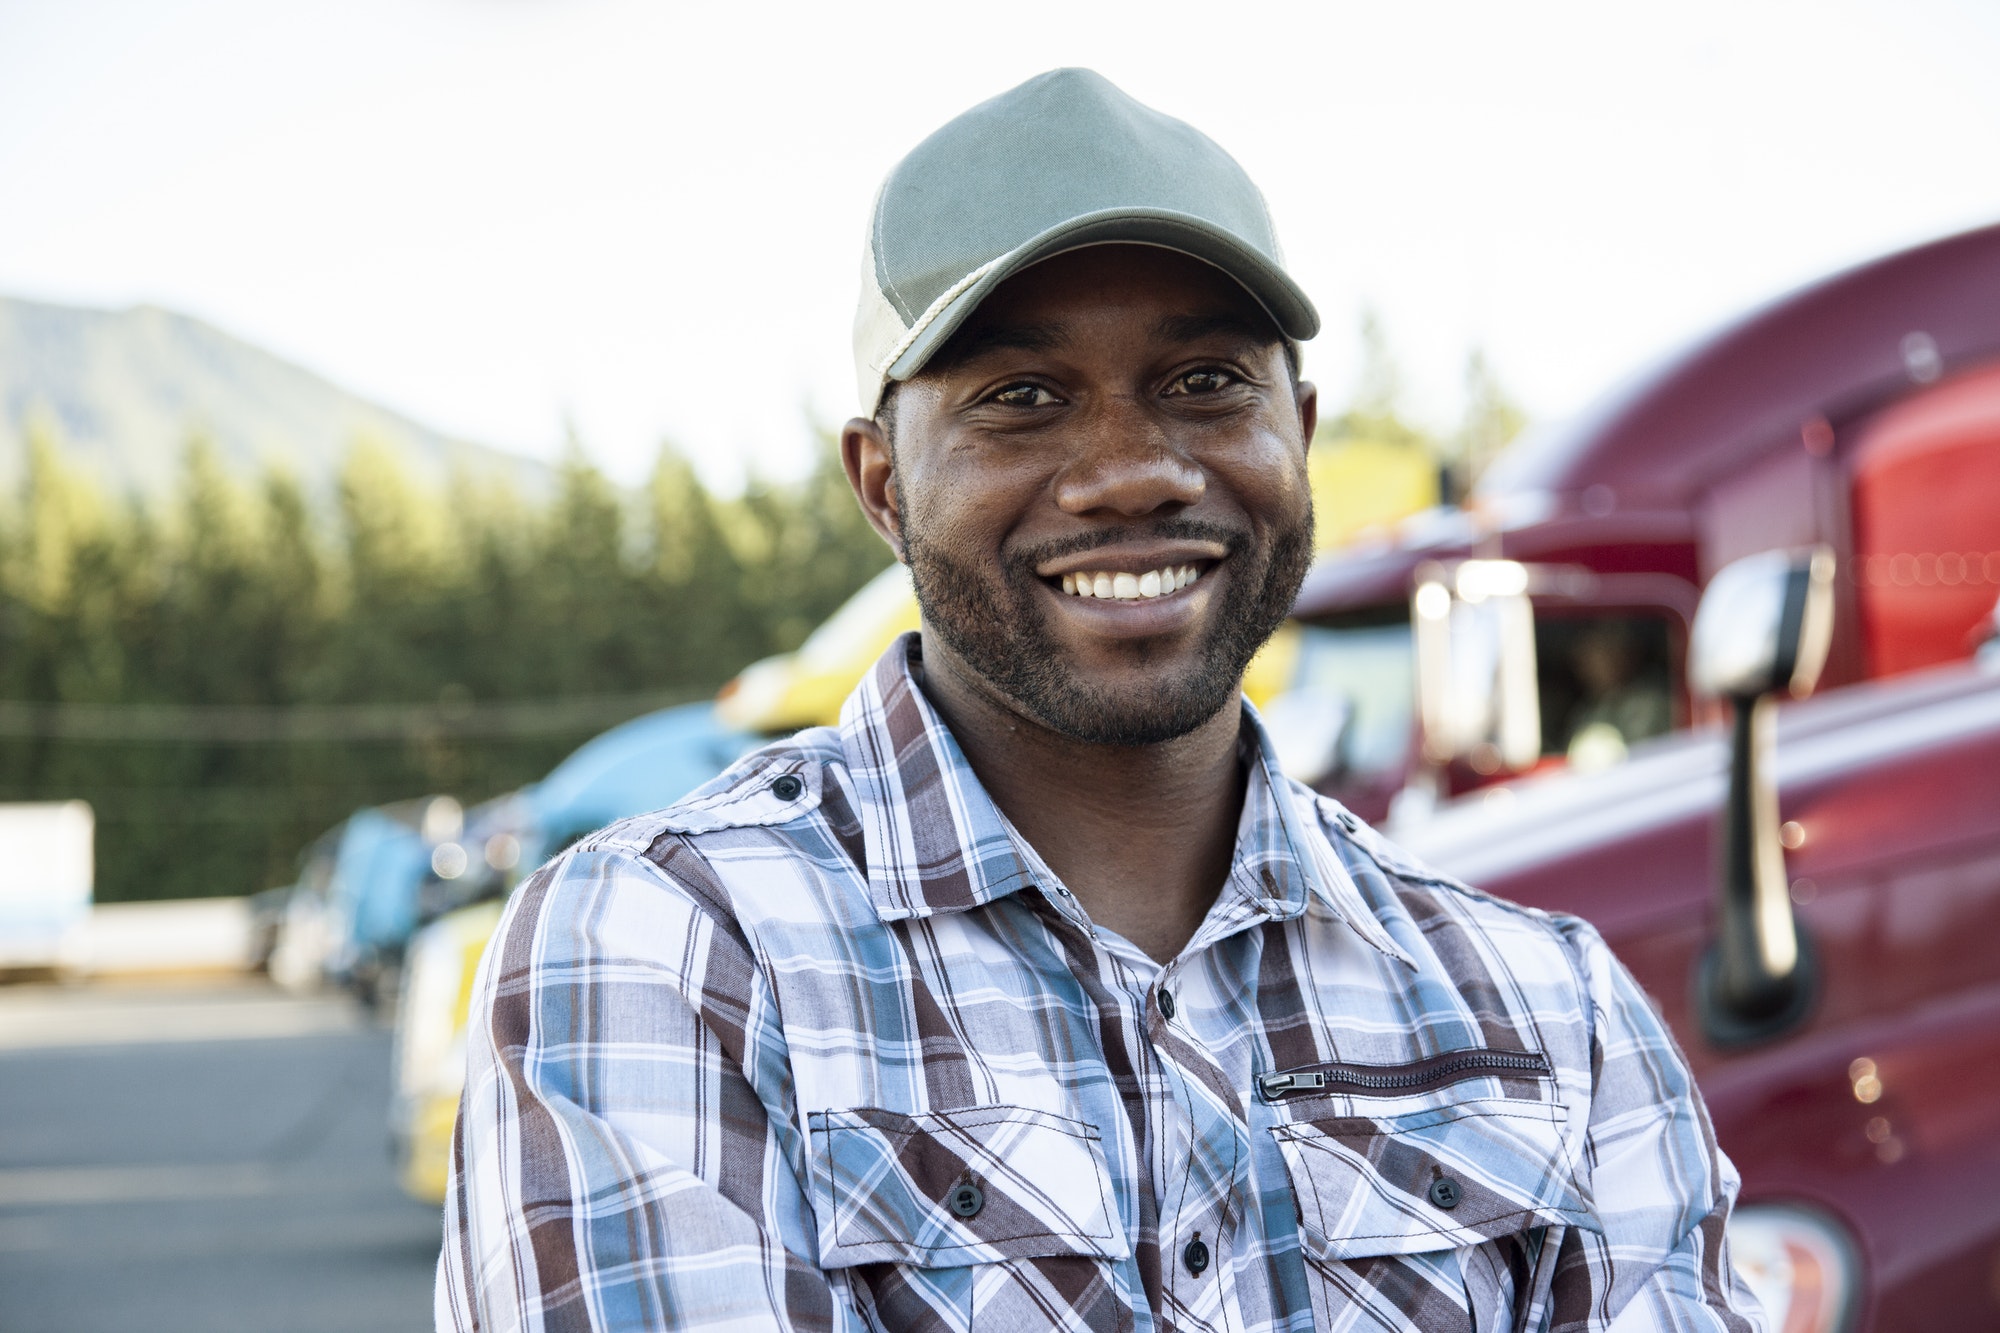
<point x="1011" y="337"/>
<point x="1190" y="328"/>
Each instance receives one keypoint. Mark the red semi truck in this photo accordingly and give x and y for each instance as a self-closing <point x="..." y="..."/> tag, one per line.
<point x="1812" y="896"/>
<point x="1861" y="412"/>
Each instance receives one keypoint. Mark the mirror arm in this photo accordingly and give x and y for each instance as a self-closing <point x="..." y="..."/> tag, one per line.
<point x="1758" y="978"/>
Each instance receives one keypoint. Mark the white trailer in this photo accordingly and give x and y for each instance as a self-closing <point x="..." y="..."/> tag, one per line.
<point x="47" y="866"/>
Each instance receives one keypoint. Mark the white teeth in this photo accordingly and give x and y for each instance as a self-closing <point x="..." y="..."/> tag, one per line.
<point x="1130" y="587"/>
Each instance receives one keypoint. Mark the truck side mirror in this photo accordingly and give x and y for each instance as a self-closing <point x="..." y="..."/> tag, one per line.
<point x="1764" y="626"/>
<point x="1477" y="695"/>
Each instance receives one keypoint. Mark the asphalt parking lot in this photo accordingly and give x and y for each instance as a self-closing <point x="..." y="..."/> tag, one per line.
<point x="204" y="1158"/>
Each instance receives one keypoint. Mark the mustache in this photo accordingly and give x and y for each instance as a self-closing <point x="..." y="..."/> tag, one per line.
<point x="1231" y="539"/>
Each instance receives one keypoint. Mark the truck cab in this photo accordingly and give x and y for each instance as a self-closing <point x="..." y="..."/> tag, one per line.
<point x="1811" y="896"/>
<point x="1862" y="414"/>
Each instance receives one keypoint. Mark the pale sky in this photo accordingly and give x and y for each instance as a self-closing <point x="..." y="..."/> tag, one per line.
<point x="645" y="218"/>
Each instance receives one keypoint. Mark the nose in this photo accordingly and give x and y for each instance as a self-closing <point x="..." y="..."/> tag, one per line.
<point x="1125" y="464"/>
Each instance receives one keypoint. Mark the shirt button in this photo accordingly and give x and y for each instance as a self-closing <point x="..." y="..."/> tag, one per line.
<point x="1166" y="1003"/>
<point x="1195" y="1256"/>
<point x="788" y="788"/>
<point x="966" y="1200"/>
<point x="1445" y="1193"/>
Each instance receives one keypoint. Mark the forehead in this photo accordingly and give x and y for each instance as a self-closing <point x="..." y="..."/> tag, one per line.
<point x="1158" y="293"/>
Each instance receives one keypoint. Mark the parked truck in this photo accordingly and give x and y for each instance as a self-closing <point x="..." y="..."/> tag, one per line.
<point x="1809" y="888"/>
<point x="1861" y="413"/>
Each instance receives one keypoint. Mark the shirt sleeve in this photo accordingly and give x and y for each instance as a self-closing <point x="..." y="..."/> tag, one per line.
<point x="1663" y="1188"/>
<point x="613" y="1166"/>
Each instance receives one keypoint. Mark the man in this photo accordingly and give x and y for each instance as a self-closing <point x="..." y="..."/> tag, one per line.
<point x="1033" y="996"/>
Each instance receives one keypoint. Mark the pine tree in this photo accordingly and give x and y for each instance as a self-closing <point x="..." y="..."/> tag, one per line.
<point x="446" y="598"/>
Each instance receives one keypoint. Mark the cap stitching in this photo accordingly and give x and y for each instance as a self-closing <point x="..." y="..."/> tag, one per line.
<point x="936" y="308"/>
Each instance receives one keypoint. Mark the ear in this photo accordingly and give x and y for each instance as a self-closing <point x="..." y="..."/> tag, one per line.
<point x="1307" y="397"/>
<point x="864" y="452"/>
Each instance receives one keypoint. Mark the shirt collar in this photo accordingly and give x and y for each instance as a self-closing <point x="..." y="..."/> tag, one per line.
<point x="936" y="843"/>
<point x="1285" y="847"/>
<point x="934" y="840"/>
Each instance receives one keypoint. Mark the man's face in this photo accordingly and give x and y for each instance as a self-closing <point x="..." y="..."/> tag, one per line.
<point x="1100" y="489"/>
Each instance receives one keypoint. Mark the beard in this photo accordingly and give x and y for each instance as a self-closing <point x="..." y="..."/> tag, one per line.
<point x="1000" y="630"/>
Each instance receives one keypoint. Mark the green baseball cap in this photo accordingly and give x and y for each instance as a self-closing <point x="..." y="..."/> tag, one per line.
<point x="1063" y="161"/>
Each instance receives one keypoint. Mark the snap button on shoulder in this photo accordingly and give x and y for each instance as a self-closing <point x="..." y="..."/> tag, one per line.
<point x="789" y="787"/>
<point x="1445" y="1193"/>
<point x="1166" y="1003"/>
<point x="965" y="1200"/>
<point x="1195" y="1256"/>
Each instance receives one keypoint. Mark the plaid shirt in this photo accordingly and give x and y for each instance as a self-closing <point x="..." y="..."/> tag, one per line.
<point x="827" y="1046"/>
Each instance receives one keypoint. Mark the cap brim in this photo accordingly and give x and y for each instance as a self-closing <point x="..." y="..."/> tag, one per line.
<point x="1256" y="272"/>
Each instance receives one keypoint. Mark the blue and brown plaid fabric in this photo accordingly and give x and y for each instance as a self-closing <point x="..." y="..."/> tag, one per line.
<point x="827" y="1047"/>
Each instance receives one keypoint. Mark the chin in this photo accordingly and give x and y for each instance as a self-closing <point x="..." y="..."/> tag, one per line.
<point x="1145" y="707"/>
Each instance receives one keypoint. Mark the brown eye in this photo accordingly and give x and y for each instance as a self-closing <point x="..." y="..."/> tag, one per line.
<point x="1204" y="381"/>
<point x="1024" y="395"/>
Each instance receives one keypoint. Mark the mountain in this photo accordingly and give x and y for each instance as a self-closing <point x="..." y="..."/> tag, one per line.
<point x="127" y="389"/>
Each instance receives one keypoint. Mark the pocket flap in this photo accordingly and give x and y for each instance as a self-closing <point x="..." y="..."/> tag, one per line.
<point x="885" y="1186"/>
<point x="1370" y="1185"/>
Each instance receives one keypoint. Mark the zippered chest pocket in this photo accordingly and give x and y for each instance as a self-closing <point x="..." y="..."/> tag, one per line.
<point x="1426" y="1191"/>
<point x="1441" y="1179"/>
<point x="1481" y="1154"/>
<point x="1408" y="1078"/>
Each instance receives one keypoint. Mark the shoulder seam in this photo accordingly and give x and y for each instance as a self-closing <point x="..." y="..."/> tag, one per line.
<point x="710" y="897"/>
<point x="713" y="901"/>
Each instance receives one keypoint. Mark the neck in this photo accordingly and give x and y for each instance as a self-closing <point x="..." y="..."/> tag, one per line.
<point x="1143" y="835"/>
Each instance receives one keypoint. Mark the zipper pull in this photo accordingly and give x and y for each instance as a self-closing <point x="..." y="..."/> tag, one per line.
<point x="1274" y="1086"/>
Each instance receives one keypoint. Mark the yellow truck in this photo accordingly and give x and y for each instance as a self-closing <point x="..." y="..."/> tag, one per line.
<point x="429" y="1057"/>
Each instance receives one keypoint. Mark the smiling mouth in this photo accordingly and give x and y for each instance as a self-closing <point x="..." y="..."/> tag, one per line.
<point x="1123" y="586"/>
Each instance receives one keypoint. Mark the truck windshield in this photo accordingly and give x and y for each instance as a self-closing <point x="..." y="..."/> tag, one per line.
<point x="1606" y="681"/>
<point x="1371" y="668"/>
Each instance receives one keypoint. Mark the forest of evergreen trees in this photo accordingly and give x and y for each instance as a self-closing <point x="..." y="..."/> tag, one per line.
<point x="227" y="674"/>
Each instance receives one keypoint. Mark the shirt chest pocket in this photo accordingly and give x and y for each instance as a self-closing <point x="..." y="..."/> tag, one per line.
<point x="1391" y="1207"/>
<point x="976" y="1212"/>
